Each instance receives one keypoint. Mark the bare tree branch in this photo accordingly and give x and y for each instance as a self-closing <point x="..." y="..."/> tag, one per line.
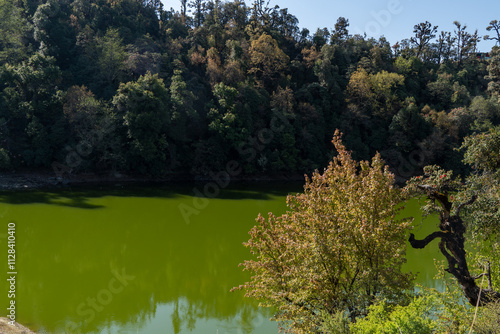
<point x="424" y="242"/>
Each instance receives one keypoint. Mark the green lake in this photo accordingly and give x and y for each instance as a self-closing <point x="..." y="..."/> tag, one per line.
<point x="147" y="260"/>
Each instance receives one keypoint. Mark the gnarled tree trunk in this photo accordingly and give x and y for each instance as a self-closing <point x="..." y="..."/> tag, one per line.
<point x="451" y="233"/>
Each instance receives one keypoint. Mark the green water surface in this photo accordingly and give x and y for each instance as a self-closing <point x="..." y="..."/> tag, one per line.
<point x="146" y="260"/>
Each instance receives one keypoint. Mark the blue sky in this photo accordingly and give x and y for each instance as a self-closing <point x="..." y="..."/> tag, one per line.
<point x="392" y="18"/>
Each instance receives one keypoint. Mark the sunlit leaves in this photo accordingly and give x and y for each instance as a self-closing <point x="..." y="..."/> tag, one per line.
<point x="338" y="248"/>
<point x="494" y="73"/>
<point x="436" y="182"/>
<point x="375" y="92"/>
<point x="267" y="60"/>
<point x="482" y="151"/>
<point x="144" y="106"/>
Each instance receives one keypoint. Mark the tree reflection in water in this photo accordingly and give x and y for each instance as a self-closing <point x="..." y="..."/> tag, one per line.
<point x="182" y="272"/>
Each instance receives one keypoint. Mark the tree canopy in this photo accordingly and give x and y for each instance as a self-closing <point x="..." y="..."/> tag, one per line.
<point x="338" y="248"/>
<point x="430" y="86"/>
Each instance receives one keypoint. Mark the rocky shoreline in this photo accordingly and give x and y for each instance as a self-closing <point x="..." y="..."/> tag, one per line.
<point x="7" y="328"/>
<point x="30" y="180"/>
<point x="33" y="180"/>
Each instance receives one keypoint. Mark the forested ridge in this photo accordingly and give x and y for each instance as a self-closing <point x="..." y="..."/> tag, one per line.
<point x="126" y="85"/>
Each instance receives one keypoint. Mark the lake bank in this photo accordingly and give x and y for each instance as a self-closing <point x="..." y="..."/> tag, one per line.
<point x="47" y="179"/>
<point x="7" y="328"/>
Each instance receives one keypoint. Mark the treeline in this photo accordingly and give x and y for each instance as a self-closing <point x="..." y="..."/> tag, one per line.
<point x="125" y="85"/>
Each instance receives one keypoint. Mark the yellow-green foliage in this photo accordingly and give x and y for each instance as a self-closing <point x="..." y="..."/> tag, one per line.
<point x="489" y="320"/>
<point x="336" y="249"/>
<point x="385" y="318"/>
<point x="432" y="311"/>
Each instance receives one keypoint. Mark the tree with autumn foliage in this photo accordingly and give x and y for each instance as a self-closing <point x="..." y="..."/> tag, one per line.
<point x="338" y="248"/>
<point x="267" y="60"/>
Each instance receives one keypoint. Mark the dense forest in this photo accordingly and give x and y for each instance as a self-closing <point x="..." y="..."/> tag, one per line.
<point x="125" y="85"/>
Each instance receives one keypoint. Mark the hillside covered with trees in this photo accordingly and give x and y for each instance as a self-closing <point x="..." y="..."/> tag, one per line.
<point x="101" y="86"/>
<point x="106" y="86"/>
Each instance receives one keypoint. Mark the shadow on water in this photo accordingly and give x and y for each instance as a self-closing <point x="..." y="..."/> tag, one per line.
<point x="178" y="274"/>
<point x="37" y="197"/>
<point x="80" y="196"/>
